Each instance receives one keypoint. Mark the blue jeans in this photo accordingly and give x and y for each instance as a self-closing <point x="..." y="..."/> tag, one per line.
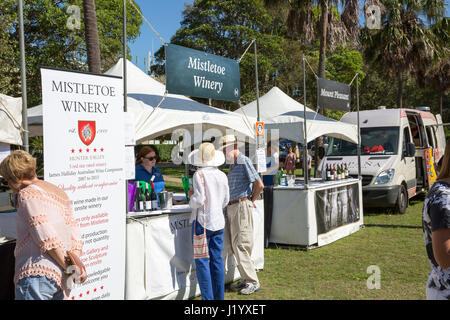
<point x="211" y="272"/>
<point x="38" y="288"/>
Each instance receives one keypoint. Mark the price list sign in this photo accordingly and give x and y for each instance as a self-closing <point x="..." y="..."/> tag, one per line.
<point x="84" y="155"/>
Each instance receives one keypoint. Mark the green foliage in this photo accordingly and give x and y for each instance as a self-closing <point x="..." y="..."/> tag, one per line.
<point x="50" y="42"/>
<point x="163" y="151"/>
<point x="226" y="28"/>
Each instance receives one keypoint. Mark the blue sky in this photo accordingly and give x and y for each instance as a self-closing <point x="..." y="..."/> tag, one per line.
<point x="165" y="17"/>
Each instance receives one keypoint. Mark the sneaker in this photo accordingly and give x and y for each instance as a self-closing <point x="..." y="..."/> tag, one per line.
<point x="238" y="286"/>
<point x="249" y="289"/>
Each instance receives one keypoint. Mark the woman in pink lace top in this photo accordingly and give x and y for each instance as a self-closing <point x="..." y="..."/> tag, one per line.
<point x="46" y="230"/>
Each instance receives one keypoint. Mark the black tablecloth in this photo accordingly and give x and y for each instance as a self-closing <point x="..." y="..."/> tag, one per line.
<point x="7" y="291"/>
<point x="268" y="209"/>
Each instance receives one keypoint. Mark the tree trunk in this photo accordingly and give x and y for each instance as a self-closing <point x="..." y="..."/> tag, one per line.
<point x="321" y="72"/>
<point x="400" y="91"/>
<point x="441" y="101"/>
<point x="91" y="36"/>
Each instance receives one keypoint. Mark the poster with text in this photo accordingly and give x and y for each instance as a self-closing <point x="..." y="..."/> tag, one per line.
<point x="84" y="155"/>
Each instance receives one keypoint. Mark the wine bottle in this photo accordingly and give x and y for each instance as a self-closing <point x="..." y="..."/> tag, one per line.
<point x="328" y="173"/>
<point x="136" y="199"/>
<point x="141" y="198"/>
<point x="334" y="172"/>
<point x="148" y="201"/>
<point x="153" y="196"/>
<point x="346" y="171"/>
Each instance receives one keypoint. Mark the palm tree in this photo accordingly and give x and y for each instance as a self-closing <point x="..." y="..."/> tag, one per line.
<point x="331" y="30"/>
<point x="91" y="35"/>
<point x="436" y="74"/>
<point x="404" y="43"/>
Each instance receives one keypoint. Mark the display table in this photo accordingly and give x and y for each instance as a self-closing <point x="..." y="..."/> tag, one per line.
<point x="318" y="215"/>
<point x="160" y="262"/>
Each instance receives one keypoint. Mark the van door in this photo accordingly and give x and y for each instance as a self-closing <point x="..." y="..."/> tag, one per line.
<point x="440" y="136"/>
<point x="409" y="163"/>
<point x="420" y="141"/>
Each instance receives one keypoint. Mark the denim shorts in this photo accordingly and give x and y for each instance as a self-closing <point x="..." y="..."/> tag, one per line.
<point x="38" y="288"/>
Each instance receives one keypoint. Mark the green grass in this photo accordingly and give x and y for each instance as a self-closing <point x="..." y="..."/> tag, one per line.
<point x="394" y="243"/>
<point x="390" y="241"/>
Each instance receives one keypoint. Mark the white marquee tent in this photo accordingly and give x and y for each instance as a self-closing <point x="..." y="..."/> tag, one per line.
<point x="279" y="111"/>
<point x="174" y="112"/>
<point x="10" y="120"/>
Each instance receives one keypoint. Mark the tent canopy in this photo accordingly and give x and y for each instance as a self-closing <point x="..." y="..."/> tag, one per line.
<point x="144" y="94"/>
<point x="279" y="111"/>
<point x="10" y="120"/>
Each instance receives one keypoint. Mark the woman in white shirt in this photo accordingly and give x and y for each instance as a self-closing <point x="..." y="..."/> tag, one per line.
<point x="210" y="195"/>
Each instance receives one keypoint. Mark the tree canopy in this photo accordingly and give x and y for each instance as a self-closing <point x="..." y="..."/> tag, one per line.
<point x="51" y="39"/>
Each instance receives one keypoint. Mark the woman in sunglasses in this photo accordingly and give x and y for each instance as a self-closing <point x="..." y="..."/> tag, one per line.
<point x="146" y="168"/>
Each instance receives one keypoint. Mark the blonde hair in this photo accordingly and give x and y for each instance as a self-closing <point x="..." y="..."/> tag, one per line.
<point x="444" y="171"/>
<point x="18" y="166"/>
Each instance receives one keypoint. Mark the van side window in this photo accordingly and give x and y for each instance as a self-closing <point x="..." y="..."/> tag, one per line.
<point x="430" y="137"/>
<point x="406" y="138"/>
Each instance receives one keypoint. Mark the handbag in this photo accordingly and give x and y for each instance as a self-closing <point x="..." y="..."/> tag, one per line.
<point x="73" y="260"/>
<point x="200" y="242"/>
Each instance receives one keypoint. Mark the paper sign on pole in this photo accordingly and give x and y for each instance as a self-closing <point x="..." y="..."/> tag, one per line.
<point x="261" y="159"/>
<point x="84" y="155"/>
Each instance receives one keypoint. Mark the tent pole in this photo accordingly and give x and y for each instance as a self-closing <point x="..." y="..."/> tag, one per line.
<point x="125" y="107"/>
<point x="258" y="144"/>
<point x="359" y="134"/>
<point x="25" y="142"/>
<point x="305" y="138"/>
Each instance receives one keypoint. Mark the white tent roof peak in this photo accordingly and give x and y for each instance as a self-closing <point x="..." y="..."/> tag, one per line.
<point x="280" y="111"/>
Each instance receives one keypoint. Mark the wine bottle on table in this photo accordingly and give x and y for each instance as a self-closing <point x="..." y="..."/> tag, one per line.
<point x="153" y="198"/>
<point x="137" y="197"/>
<point x="148" y="201"/>
<point x="141" y="197"/>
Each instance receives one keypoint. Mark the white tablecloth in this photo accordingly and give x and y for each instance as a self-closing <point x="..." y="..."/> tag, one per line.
<point x="295" y="213"/>
<point x="160" y="263"/>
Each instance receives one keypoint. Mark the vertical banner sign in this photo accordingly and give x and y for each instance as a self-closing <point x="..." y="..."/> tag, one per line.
<point x="84" y="155"/>
<point x="431" y="172"/>
<point x="333" y="95"/>
<point x="198" y="74"/>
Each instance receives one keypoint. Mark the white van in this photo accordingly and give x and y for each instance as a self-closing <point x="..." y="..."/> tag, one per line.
<point x="393" y="146"/>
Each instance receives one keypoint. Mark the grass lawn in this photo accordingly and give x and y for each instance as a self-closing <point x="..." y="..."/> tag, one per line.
<point x="392" y="242"/>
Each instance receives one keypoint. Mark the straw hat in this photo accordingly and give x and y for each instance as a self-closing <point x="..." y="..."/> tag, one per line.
<point x="226" y="141"/>
<point x="206" y="156"/>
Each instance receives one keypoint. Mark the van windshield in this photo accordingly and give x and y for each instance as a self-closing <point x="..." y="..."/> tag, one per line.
<point x="374" y="141"/>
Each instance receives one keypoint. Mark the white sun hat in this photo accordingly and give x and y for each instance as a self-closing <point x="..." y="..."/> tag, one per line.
<point x="206" y="156"/>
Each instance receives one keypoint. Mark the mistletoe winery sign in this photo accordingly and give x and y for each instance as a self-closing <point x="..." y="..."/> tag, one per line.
<point x="199" y="74"/>
<point x="84" y="155"/>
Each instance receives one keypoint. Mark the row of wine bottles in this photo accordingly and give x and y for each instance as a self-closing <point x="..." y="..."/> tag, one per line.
<point x="337" y="172"/>
<point x="146" y="199"/>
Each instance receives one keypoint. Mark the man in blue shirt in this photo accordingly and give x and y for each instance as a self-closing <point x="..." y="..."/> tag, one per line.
<point x="245" y="187"/>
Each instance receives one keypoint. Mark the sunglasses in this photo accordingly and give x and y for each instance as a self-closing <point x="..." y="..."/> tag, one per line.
<point x="150" y="158"/>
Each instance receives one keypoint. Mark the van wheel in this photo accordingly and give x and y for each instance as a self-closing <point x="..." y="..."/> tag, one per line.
<point x="402" y="200"/>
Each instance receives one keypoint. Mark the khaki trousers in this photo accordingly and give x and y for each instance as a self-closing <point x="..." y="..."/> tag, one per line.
<point x="240" y="233"/>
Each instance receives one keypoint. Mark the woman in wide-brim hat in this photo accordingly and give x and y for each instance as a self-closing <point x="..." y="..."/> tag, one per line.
<point x="210" y="195"/>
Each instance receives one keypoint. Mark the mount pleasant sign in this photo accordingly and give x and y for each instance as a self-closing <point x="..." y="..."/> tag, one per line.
<point x="198" y="74"/>
<point x="333" y="95"/>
